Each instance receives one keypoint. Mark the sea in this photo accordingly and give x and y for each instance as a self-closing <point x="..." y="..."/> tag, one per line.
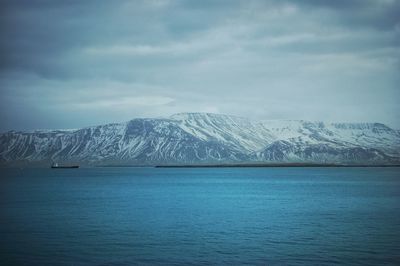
<point x="200" y="216"/>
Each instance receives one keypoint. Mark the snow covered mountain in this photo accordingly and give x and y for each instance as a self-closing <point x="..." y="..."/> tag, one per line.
<point x="205" y="138"/>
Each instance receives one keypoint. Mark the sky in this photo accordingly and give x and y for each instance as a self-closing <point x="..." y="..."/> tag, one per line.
<point x="71" y="64"/>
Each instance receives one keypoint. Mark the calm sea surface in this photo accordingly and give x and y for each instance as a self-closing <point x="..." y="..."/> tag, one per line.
<point x="262" y="216"/>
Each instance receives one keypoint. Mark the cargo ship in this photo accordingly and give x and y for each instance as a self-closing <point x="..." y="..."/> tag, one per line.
<point x="56" y="165"/>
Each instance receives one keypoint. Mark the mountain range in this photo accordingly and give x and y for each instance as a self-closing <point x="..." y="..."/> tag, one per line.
<point x="204" y="138"/>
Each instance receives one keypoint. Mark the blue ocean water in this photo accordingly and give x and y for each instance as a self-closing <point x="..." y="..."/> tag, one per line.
<point x="200" y="216"/>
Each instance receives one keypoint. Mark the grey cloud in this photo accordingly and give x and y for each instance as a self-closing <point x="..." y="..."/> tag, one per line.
<point x="380" y="14"/>
<point x="271" y="59"/>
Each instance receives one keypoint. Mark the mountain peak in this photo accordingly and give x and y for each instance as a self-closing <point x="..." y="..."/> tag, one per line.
<point x="190" y="115"/>
<point x="206" y="137"/>
<point x="206" y="116"/>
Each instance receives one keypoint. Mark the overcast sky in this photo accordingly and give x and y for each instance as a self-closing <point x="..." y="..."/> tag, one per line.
<point x="69" y="64"/>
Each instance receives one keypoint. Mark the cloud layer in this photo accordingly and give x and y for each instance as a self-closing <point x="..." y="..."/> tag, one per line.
<point x="79" y="63"/>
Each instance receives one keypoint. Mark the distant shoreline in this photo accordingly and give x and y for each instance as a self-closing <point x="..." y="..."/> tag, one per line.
<point x="227" y="165"/>
<point x="270" y="165"/>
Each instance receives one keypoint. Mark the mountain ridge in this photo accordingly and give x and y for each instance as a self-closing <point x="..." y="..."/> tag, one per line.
<point x="205" y="138"/>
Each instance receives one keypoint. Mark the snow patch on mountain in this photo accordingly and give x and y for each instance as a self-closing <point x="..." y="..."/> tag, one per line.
<point x="206" y="137"/>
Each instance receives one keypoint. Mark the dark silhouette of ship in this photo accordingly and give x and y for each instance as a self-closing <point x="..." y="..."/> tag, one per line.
<point x="56" y="165"/>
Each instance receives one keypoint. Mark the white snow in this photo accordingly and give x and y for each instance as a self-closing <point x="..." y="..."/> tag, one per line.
<point x="211" y="135"/>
